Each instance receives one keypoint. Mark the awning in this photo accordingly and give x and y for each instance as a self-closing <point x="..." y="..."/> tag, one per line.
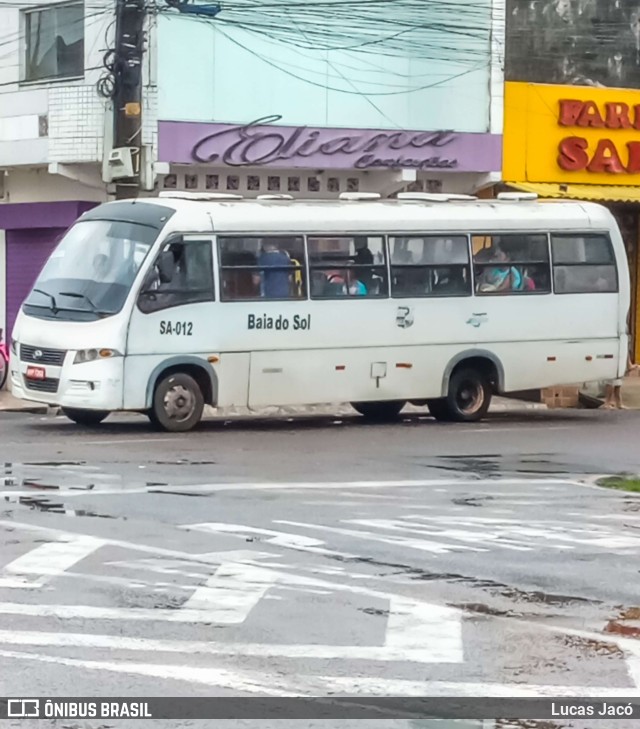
<point x="610" y="193"/>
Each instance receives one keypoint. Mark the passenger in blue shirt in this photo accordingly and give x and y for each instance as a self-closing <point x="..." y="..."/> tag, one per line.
<point x="276" y="283"/>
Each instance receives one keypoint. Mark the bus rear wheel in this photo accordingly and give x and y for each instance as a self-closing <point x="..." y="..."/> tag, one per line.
<point x="85" y="417"/>
<point x="177" y="403"/>
<point x="383" y="410"/>
<point x="467" y="400"/>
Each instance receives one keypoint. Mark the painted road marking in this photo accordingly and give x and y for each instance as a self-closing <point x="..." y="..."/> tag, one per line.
<point x="303" y="685"/>
<point x="231" y="593"/>
<point x="234" y="680"/>
<point x="11" y="495"/>
<point x="450" y="652"/>
<point x="423" y="545"/>
<point x="360" y="686"/>
<point x="297" y="542"/>
<point x="47" y="561"/>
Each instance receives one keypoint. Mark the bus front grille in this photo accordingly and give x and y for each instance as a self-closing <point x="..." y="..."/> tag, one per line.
<point x="49" y="384"/>
<point x="42" y="355"/>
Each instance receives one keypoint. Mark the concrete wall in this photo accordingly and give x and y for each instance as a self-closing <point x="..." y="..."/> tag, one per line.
<point x="215" y="71"/>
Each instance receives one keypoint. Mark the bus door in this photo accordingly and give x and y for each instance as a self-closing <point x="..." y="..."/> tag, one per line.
<point x="172" y="314"/>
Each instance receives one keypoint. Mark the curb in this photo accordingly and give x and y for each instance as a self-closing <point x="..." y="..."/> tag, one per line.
<point x="31" y="409"/>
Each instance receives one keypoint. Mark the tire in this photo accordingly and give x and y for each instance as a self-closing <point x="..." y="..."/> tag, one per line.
<point x="177" y="403"/>
<point x="85" y="417"/>
<point x="468" y="399"/>
<point x="381" y="411"/>
<point x="439" y="409"/>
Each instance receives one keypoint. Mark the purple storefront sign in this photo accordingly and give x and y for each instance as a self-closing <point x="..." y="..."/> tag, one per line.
<point x="261" y="144"/>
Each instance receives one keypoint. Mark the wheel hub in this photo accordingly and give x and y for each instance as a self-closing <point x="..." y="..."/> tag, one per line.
<point x="179" y="403"/>
<point x="470" y="397"/>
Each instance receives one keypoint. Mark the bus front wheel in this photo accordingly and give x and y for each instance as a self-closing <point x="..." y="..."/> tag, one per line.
<point x="177" y="403"/>
<point x="384" y="410"/>
<point x="85" y="417"/>
<point x="467" y="400"/>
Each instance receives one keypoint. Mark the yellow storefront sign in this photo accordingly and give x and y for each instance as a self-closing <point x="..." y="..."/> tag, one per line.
<point x="571" y="134"/>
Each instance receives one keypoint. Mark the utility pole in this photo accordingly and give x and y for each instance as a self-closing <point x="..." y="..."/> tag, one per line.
<point x="127" y="89"/>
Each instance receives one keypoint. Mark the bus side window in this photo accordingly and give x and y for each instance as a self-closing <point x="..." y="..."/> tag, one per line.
<point x="190" y="276"/>
<point x="347" y="266"/>
<point x="430" y="265"/>
<point x="262" y="267"/>
<point x="583" y="264"/>
<point x="511" y="263"/>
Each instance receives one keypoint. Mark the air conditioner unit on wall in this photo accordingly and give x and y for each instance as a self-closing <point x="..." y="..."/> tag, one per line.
<point x="121" y="163"/>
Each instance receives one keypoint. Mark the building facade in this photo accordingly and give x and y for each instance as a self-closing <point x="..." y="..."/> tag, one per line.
<point x="572" y="110"/>
<point x="55" y="129"/>
<point x="296" y="116"/>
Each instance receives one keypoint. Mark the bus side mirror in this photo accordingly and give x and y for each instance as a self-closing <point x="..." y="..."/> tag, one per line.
<point x="166" y="267"/>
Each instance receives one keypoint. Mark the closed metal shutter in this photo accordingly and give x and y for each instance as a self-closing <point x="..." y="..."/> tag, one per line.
<point x="26" y="253"/>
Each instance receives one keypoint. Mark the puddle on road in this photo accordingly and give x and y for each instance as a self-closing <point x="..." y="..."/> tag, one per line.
<point x="52" y="464"/>
<point x="375" y="611"/>
<point x="185" y="462"/>
<point x="192" y="494"/>
<point x="499" y="465"/>
<point x="55" y="507"/>
<point x="471" y="500"/>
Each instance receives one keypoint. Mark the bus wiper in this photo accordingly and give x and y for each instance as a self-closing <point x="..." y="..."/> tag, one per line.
<point x="75" y="295"/>
<point x="54" y="306"/>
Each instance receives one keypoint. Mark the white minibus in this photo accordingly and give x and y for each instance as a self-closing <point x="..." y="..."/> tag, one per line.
<point x="164" y="305"/>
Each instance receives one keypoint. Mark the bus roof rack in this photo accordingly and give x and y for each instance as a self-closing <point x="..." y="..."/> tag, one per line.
<point x="180" y="195"/>
<point x="360" y="196"/>
<point x="434" y="196"/>
<point x="275" y="196"/>
<point x="517" y="196"/>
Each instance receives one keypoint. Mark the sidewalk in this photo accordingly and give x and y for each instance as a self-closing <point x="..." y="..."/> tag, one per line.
<point x="9" y="404"/>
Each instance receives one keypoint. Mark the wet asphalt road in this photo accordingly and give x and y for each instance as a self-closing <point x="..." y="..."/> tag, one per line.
<point x="319" y="556"/>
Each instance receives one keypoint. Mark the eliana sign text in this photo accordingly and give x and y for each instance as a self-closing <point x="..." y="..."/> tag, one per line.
<point x="262" y="144"/>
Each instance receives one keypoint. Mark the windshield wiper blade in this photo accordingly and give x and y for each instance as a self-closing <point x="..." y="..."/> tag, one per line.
<point x="75" y="295"/>
<point x="54" y="306"/>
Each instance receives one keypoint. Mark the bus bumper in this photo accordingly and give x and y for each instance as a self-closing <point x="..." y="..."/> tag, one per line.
<point x="87" y="386"/>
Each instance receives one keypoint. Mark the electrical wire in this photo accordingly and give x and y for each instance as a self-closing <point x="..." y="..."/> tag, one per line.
<point x="345" y="91"/>
<point x="427" y="29"/>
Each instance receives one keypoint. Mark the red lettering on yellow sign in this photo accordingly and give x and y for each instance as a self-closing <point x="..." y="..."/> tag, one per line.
<point x="574" y="156"/>
<point x="574" y="153"/>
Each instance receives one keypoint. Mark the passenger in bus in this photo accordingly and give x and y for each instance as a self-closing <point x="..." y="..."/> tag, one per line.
<point x="363" y="257"/>
<point x="274" y="278"/>
<point x="344" y="283"/>
<point x="501" y="277"/>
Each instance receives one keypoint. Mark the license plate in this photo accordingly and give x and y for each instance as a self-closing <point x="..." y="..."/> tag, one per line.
<point x="36" y="373"/>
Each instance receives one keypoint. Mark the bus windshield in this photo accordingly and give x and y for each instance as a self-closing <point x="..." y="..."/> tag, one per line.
<point x="91" y="271"/>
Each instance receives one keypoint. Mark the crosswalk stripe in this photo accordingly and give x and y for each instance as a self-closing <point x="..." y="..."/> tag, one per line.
<point x="437" y="628"/>
<point x="237" y="681"/>
<point x="305" y="685"/>
<point x="423" y="654"/>
<point x="47" y="561"/>
<point x="91" y="612"/>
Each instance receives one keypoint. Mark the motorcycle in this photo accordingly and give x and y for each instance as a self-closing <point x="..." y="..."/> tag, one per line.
<point x="4" y="361"/>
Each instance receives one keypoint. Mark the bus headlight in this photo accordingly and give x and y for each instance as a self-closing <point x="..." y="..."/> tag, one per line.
<point x="89" y="355"/>
<point x="14" y="346"/>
